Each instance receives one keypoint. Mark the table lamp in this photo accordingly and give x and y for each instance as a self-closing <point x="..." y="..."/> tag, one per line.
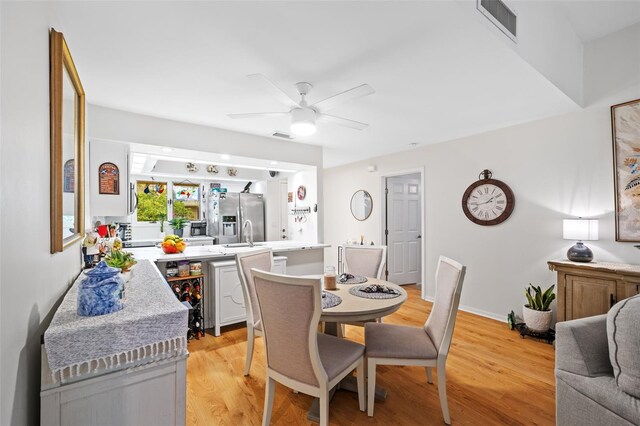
<point x="580" y="229"/>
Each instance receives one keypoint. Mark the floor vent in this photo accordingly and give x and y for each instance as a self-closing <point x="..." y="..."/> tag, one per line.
<point x="282" y="135"/>
<point x="501" y="15"/>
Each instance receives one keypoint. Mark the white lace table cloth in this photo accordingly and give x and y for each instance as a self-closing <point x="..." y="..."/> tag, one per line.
<point x="153" y="324"/>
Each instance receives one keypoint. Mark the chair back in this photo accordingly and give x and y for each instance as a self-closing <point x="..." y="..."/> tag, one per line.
<point x="259" y="259"/>
<point x="291" y="309"/>
<point x="368" y="261"/>
<point x="439" y="325"/>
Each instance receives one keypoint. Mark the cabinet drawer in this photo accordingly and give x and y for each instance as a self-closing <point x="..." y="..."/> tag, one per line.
<point x="588" y="296"/>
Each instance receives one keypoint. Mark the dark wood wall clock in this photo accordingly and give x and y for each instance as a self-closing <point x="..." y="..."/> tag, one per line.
<point x="488" y="201"/>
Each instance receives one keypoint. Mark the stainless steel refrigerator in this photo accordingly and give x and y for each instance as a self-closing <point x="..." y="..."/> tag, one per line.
<point x="227" y="212"/>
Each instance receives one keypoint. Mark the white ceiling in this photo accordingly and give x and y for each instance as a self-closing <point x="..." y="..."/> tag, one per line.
<point x="438" y="75"/>
<point x="594" y="19"/>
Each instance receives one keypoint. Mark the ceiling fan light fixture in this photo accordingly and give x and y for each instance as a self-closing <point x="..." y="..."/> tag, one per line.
<point x="303" y="128"/>
<point x="303" y="121"/>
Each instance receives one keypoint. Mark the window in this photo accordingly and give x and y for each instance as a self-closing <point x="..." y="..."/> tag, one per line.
<point x="186" y="201"/>
<point x="152" y="201"/>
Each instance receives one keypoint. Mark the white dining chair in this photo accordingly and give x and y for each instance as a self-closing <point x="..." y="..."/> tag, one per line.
<point x="367" y="261"/>
<point x="297" y="355"/>
<point x="260" y="259"/>
<point x="426" y="346"/>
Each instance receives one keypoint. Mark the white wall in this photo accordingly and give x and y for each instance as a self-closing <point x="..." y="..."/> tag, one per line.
<point x="32" y="279"/>
<point x="110" y="124"/>
<point x="307" y="229"/>
<point x="558" y="167"/>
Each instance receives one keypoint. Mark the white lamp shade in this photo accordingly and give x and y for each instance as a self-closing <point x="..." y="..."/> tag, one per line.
<point x="303" y="121"/>
<point x="580" y="229"/>
<point x="303" y="128"/>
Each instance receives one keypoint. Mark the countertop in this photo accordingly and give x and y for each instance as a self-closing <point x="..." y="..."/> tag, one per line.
<point x="218" y="251"/>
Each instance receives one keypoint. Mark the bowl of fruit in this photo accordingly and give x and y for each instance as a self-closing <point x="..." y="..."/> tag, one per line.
<point x="173" y="244"/>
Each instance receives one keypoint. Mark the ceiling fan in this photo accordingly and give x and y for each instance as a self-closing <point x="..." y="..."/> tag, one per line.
<point x="303" y="115"/>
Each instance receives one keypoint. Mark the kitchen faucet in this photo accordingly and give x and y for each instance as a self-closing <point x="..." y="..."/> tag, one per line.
<point x="248" y="237"/>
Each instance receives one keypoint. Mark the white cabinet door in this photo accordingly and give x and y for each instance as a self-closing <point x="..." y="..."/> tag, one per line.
<point x="279" y="266"/>
<point x="228" y="299"/>
<point x="232" y="309"/>
<point x="101" y="152"/>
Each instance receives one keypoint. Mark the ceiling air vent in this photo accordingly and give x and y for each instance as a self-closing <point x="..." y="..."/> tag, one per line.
<point x="282" y="135"/>
<point x="501" y="16"/>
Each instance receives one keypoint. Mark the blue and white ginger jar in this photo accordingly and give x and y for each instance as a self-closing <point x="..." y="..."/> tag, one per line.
<point x="101" y="292"/>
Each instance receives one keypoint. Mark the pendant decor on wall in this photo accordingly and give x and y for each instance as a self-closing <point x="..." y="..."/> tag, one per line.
<point x="488" y="201"/>
<point x="109" y="179"/>
<point x="192" y="167"/>
<point x="231" y="171"/>
<point x="302" y="192"/>
<point x="69" y="176"/>
<point x="212" y="169"/>
<point x="625" y="126"/>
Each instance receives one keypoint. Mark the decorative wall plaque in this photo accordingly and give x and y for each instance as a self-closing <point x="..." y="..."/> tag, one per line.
<point x="69" y="176"/>
<point x="109" y="179"/>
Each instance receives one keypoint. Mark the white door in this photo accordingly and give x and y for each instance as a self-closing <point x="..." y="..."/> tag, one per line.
<point x="404" y="224"/>
<point x="276" y="210"/>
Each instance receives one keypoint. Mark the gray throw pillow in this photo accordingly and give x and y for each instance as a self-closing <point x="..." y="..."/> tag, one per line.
<point x="623" y="332"/>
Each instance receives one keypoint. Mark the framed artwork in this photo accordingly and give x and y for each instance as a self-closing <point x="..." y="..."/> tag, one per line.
<point x="625" y="127"/>
<point x="109" y="179"/>
<point x="290" y="197"/>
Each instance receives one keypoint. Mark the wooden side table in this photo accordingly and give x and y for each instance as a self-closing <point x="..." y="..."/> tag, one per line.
<point x="587" y="289"/>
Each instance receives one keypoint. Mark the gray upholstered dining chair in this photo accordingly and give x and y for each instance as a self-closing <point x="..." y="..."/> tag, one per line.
<point x="260" y="259"/>
<point x="297" y="355"/>
<point x="426" y="346"/>
<point x="368" y="261"/>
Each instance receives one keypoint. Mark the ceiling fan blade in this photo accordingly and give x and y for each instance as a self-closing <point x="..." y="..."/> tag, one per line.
<point x="342" y="121"/>
<point x="258" y="115"/>
<point x="275" y="90"/>
<point x="348" y="95"/>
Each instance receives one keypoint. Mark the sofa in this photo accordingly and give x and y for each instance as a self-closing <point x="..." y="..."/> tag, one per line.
<point x="598" y="368"/>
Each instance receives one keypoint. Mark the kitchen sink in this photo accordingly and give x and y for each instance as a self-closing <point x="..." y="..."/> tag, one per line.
<point x="237" y="245"/>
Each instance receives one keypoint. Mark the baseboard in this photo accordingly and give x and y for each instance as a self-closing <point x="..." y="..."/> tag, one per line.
<point x="475" y="311"/>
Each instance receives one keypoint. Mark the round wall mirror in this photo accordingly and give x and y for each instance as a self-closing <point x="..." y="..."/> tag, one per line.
<point x="361" y="205"/>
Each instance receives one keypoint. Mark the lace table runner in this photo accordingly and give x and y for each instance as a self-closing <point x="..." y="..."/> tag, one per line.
<point x="153" y="324"/>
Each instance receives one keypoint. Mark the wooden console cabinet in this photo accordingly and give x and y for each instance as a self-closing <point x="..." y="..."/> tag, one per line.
<point x="587" y="289"/>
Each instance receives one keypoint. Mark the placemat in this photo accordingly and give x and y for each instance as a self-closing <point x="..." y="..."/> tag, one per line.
<point x="357" y="291"/>
<point x="329" y="300"/>
<point x="357" y="279"/>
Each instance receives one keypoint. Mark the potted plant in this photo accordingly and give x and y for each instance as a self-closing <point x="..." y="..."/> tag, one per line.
<point x="178" y="223"/>
<point x="122" y="260"/>
<point x="536" y="313"/>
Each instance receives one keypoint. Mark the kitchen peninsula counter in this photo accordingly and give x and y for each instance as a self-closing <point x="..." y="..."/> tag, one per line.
<point x="211" y="252"/>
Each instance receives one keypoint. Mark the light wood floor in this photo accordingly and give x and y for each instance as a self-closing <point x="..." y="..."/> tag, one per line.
<point x="493" y="377"/>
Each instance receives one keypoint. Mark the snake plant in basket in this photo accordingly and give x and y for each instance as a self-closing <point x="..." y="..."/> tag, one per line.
<point x="536" y="313"/>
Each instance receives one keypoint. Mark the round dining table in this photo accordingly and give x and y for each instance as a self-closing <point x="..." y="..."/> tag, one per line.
<point x="354" y="308"/>
<point x="351" y="309"/>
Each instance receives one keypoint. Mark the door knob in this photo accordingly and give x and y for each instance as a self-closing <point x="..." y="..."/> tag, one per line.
<point x="419" y="236"/>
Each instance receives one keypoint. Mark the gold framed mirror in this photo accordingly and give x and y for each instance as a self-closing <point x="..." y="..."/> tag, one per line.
<point x="67" y="146"/>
